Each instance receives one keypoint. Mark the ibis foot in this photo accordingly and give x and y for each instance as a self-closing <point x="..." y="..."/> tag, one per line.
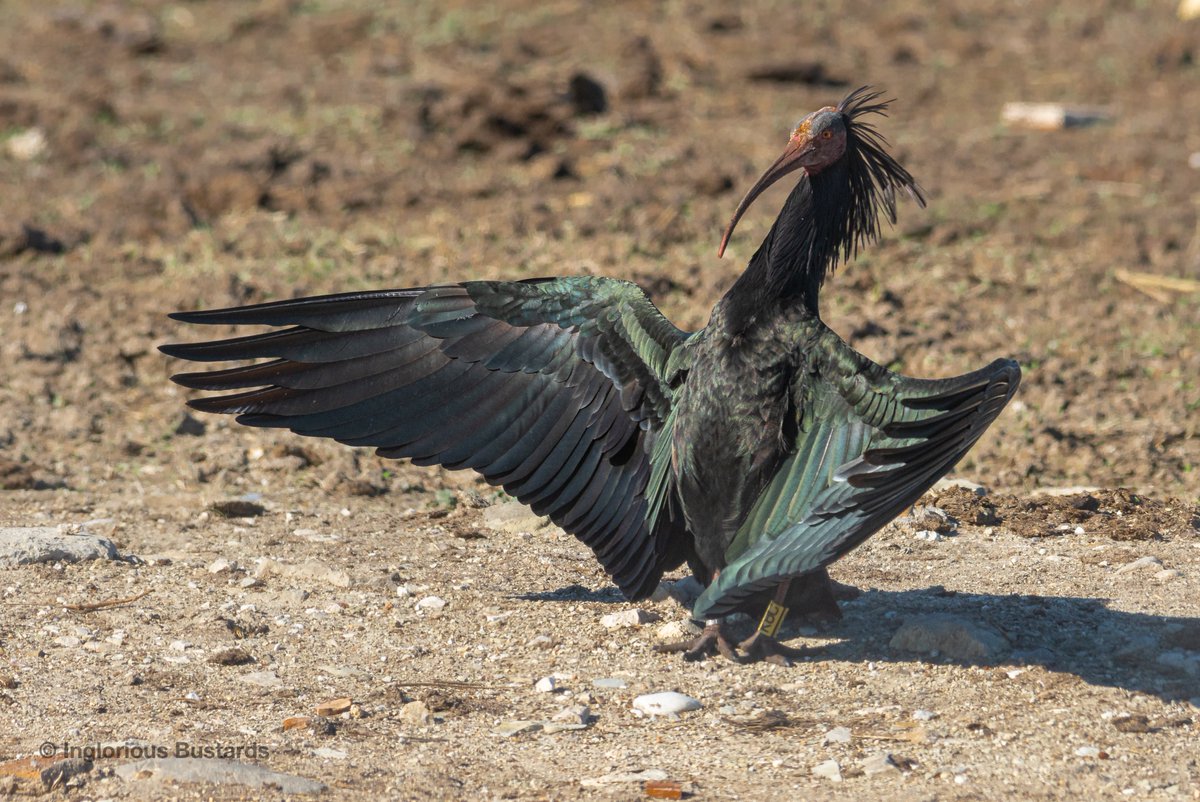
<point x="709" y="642"/>
<point x="760" y="646"/>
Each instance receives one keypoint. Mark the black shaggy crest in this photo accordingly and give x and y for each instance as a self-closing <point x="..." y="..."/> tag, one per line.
<point x="874" y="175"/>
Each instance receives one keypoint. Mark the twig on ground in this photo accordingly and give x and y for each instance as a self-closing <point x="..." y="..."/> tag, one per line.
<point x="452" y="684"/>
<point x="88" y="607"/>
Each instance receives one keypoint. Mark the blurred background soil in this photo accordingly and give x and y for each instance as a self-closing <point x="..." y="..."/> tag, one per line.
<point x="160" y="156"/>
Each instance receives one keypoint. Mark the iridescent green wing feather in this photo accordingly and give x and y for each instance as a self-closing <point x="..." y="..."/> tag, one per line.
<point x="870" y="443"/>
<point x="551" y="388"/>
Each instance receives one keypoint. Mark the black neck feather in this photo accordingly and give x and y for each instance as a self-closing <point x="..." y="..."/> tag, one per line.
<point x="805" y="243"/>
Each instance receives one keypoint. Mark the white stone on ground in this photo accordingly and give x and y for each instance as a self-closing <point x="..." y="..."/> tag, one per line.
<point x="610" y="683"/>
<point x="575" y="714"/>
<point x="431" y="603"/>
<point x="665" y="703"/>
<point x="1140" y="564"/>
<point x="678" y="630"/>
<point x="838" y="735"/>
<point x="416" y="714"/>
<point x="628" y="618"/>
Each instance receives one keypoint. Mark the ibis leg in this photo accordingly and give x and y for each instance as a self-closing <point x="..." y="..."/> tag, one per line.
<point x="762" y="645"/>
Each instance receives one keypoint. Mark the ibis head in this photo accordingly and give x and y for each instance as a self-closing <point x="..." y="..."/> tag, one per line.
<point x="835" y="134"/>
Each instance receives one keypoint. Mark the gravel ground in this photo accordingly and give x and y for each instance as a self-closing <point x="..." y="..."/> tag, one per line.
<point x="1064" y="664"/>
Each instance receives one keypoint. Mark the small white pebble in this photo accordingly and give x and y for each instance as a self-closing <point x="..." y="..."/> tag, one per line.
<point x="838" y="735"/>
<point x="666" y="703"/>
<point x="431" y="603"/>
<point x="828" y="769"/>
<point x="628" y="618"/>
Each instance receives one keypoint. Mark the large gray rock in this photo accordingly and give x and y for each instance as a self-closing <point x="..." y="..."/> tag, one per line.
<point x="26" y="545"/>
<point x="950" y="636"/>
<point x="216" y="772"/>
<point x="513" y="517"/>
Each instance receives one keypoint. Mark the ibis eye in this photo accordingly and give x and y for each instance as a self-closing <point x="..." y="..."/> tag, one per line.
<point x="827" y="135"/>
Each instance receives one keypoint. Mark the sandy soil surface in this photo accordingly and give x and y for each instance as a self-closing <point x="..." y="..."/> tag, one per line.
<point x="159" y="156"/>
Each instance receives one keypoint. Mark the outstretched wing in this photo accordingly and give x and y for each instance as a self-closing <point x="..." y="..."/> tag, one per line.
<point x="871" y="442"/>
<point x="551" y="388"/>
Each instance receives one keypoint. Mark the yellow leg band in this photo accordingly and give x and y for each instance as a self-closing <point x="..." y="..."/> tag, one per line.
<point x="772" y="619"/>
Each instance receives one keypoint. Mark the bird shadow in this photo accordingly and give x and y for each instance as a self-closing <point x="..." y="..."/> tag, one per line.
<point x="574" y="593"/>
<point x="1153" y="654"/>
<point x="1157" y="655"/>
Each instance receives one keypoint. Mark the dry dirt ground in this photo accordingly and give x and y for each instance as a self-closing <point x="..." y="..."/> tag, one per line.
<point x="165" y="155"/>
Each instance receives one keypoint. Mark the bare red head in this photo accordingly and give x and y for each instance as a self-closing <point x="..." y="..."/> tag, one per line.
<point x="827" y="136"/>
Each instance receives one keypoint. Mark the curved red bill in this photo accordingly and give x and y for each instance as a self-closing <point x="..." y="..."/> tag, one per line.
<point x="798" y="147"/>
